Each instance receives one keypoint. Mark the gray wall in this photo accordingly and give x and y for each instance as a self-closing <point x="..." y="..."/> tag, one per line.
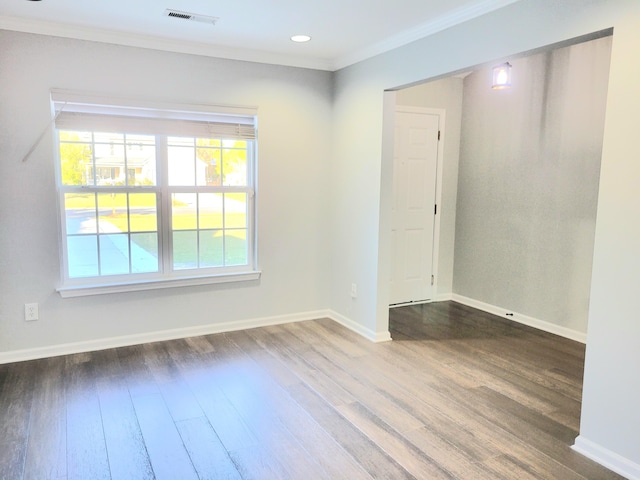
<point x="443" y="94"/>
<point x="294" y="110"/>
<point x="528" y="184"/>
<point x="361" y="239"/>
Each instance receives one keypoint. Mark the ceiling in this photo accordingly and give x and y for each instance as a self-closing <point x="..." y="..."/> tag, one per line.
<point x="343" y="31"/>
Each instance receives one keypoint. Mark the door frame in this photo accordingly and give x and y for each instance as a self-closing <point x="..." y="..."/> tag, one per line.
<point x="441" y="114"/>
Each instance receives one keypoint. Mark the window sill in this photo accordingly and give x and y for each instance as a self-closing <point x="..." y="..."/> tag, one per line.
<point x="154" y="284"/>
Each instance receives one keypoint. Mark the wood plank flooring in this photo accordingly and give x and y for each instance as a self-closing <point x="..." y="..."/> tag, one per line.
<point x="458" y="394"/>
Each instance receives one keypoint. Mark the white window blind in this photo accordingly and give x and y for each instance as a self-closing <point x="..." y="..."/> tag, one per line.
<point x="78" y="112"/>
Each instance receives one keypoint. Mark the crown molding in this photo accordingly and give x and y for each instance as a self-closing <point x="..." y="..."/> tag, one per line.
<point x="443" y="22"/>
<point x="159" y="43"/>
<point x="450" y="19"/>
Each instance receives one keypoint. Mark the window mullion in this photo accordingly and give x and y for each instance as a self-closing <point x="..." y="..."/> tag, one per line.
<point x="164" y="205"/>
<point x="64" y="229"/>
<point x="251" y="203"/>
<point x="198" y="246"/>
<point x="126" y="161"/>
<point x="129" y="238"/>
<point x="196" y="179"/>
<point x="224" y="229"/>
<point x="98" y="239"/>
<point x="94" y="167"/>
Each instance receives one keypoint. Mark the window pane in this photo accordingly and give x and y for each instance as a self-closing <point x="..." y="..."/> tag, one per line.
<point x="142" y="212"/>
<point x="82" y="255"/>
<point x="210" y="174"/>
<point x="76" y="158"/>
<point x="144" y="252"/>
<point x="183" y="208"/>
<point x="180" y="141"/>
<point x="75" y="136"/>
<point x="211" y="248"/>
<point x="235" y="247"/>
<point x="210" y="205"/>
<point x="234" y="167"/>
<point x="80" y="212"/>
<point x="139" y="141"/>
<point x="185" y="250"/>
<point x="141" y="159"/>
<point x="108" y="137"/>
<point x="182" y="162"/>
<point x="117" y="231"/>
<point x="235" y="210"/>
<point x="114" y="254"/>
<point x="110" y="165"/>
<point x="112" y="208"/>
<point x="208" y="142"/>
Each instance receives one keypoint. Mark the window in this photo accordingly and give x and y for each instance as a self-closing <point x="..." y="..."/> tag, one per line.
<point x="153" y="197"/>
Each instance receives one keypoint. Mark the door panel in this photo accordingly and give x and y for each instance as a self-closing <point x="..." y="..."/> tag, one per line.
<point x="414" y="193"/>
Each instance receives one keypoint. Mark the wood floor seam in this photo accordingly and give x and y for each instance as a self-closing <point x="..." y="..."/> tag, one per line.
<point x="459" y="394"/>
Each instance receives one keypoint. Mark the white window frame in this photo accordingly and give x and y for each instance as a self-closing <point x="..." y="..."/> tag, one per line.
<point x="81" y="112"/>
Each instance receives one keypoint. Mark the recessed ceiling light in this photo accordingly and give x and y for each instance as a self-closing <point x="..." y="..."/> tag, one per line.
<point x="300" y="38"/>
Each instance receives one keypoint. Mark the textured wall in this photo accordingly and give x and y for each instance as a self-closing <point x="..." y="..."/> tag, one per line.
<point x="528" y="184"/>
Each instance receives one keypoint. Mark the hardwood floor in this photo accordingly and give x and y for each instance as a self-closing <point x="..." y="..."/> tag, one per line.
<point x="458" y="394"/>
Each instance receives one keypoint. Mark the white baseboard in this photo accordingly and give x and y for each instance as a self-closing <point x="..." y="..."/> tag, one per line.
<point x="407" y="304"/>
<point x="607" y="458"/>
<point x="520" y="318"/>
<point x="441" y="297"/>
<point x="137" y="339"/>
<point x="172" y="334"/>
<point x="376" y="337"/>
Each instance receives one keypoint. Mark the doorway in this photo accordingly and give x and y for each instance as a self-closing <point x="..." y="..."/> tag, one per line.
<point x="414" y="206"/>
<point x="519" y="192"/>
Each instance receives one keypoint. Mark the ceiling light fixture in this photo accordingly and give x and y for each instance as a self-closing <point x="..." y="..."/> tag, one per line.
<point x="501" y="76"/>
<point x="300" y="38"/>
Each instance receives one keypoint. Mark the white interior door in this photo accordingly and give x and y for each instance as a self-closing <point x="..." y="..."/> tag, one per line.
<point x="414" y="200"/>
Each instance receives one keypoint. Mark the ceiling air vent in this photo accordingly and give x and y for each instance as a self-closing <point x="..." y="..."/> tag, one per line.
<point x="194" y="17"/>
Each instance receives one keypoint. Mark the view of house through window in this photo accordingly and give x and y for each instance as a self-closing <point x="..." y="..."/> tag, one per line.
<point x="154" y="205"/>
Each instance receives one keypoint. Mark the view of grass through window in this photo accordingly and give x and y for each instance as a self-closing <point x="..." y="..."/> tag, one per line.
<point x="115" y="219"/>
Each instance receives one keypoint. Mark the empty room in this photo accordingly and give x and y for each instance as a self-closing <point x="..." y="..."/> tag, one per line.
<point x="199" y="240"/>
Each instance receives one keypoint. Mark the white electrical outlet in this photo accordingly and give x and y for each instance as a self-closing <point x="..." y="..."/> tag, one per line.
<point x="354" y="290"/>
<point x="30" y="312"/>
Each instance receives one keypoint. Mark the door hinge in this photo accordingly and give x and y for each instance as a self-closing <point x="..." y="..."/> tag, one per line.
<point x="438" y="134"/>
<point x="433" y="280"/>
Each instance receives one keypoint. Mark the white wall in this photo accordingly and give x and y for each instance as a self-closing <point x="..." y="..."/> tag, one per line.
<point x="528" y="185"/>
<point x="361" y="249"/>
<point x="445" y="94"/>
<point x="294" y="108"/>
<point x="610" y="424"/>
